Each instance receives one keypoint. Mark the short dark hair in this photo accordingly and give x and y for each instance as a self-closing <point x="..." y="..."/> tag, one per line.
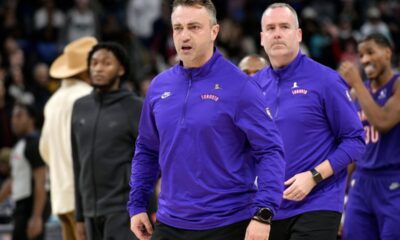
<point x="207" y="4"/>
<point x="33" y="112"/>
<point x="378" y="38"/>
<point x="119" y="52"/>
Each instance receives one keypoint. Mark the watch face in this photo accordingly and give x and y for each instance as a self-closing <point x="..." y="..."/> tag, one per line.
<point x="316" y="176"/>
<point x="265" y="214"/>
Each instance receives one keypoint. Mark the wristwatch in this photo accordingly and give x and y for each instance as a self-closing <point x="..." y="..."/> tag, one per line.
<point x="316" y="176"/>
<point x="263" y="215"/>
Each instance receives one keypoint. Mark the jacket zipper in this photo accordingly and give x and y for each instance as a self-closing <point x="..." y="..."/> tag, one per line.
<point x="186" y="99"/>
<point x="278" y="100"/>
<point x="92" y="154"/>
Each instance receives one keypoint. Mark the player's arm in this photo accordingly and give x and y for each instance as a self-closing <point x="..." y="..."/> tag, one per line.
<point x="43" y="143"/>
<point x="253" y="118"/>
<point x="301" y="184"/>
<point x="145" y="171"/>
<point x="39" y="171"/>
<point x="5" y="190"/>
<point x="383" y="118"/>
<point x="35" y="224"/>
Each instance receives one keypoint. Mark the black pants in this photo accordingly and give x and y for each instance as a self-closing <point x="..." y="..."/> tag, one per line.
<point x="314" y="225"/>
<point x="21" y="216"/>
<point x="234" y="231"/>
<point x="114" y="226"/>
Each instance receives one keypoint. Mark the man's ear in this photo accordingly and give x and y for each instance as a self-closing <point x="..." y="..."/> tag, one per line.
<point x="299" y="35"/>
<point x="214" y="31"/>
<point x="388" y="53"/>
<point x="121" y="71"/>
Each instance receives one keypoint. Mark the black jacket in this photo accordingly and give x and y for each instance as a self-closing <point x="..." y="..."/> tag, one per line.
<point x="104" y="130"/>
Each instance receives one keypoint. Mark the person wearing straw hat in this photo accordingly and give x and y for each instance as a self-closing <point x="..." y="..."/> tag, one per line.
<point x="55" y="143"/>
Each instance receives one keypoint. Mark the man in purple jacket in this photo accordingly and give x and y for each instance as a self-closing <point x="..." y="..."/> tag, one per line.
<point x="373" y="208"/>
<point x="320" y="129"/>
<point x="205" y="125"/>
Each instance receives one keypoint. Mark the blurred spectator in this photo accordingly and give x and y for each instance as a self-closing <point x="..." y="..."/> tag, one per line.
<point x="5" y="183"/>
<point x="40" y="88"/>
<point x="349" y="13"/>
<point x="17" y="59"/>
<point x="313" y="34"/>
<point x="49" y="16"/>
<point x="6" y="137"/>
<point x="162" y="46"/>
<point x="113" y="22"/>
<point x="18" y="89"/>
<point x="28" y="171"/>
<point x="374" y="24"/>
<point x="145" y="84"/>
<point x="230" y="39"/>
<point x="327" y="10"/>
<point x="49" y="21"/>
<point x="346" y="30"/>
<point x="16" y="20"/>
<point x="5" y="169"/>
<point x="350" y="53"/>
<point x="117" y="8"/>
<point x="251" y="64"/>
<point x="325" y="44"/>
<point x="9" y="47"/>
<point x="81" y="21"/>
<point x="390" y="14"/>
<point x="112" y="29"/>
<point x="140" y="17"/>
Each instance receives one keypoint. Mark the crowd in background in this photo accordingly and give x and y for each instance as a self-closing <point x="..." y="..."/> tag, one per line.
<point x="33" y="33"/>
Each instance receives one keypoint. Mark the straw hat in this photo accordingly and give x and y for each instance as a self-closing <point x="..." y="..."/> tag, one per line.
<point x="74" y="58"/>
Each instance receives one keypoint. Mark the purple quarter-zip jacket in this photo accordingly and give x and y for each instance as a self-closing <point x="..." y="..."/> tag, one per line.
<point x="317" y="121"/>
<point x="209" y="132"/>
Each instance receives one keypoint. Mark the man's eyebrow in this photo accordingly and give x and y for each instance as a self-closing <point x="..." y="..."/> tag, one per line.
<point x="189" y="23"/>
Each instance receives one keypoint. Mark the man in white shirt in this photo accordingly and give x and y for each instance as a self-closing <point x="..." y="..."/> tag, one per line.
<point x="55" y="142"/>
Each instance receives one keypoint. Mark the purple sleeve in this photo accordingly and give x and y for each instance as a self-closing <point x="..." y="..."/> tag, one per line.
<point x="145" y="168"/>
<point x="345" y="125"/>
<point x="267" y="147"/>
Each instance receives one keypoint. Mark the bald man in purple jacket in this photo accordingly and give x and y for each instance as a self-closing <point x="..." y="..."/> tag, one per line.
<point x="320" y="129"/>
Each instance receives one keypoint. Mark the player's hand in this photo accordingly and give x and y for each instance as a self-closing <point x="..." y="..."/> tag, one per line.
<point x="300" y="185"/>
<point x="350" y="73"/>
<point x="80" y="231"/>
<point x="257" y="231"/>
<point x="35" y="226"/>
<point x="141" y="226"/>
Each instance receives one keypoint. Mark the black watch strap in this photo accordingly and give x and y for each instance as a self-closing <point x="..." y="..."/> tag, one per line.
<point x="316" y="176"/>
<point x="261" y="221"/>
